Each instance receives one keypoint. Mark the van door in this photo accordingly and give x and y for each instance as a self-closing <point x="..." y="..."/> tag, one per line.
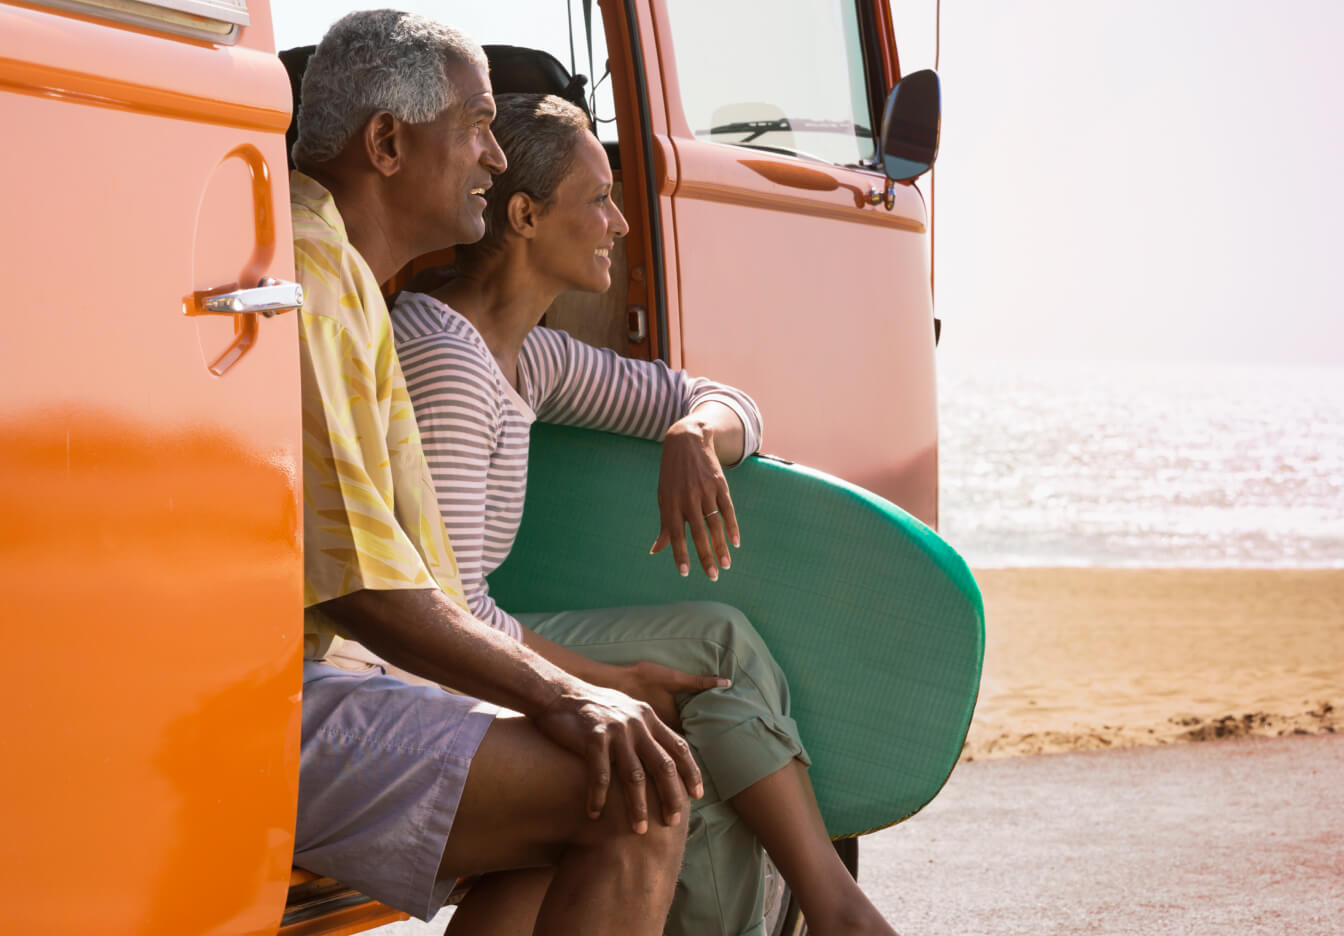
<point x="784" y="277"/>
<point x="150" y="544"/>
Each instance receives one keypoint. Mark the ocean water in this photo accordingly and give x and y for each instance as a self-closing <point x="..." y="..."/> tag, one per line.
<point x="1143" y="465"/>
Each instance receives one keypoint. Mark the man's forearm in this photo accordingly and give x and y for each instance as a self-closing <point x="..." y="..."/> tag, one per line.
<point x="422" y="631"/>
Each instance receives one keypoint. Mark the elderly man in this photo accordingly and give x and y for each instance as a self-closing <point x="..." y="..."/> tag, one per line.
<point x="404" y="788"/>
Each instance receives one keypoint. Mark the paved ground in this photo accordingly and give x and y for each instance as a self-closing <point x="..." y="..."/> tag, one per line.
<point x="1240" y="837"/>
<point x="1234" y="837"/>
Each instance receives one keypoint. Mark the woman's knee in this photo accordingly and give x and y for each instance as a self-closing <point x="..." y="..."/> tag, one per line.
<point x="741" y="644"/>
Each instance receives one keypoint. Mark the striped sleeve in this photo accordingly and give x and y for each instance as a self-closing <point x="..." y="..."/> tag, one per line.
<point x="575" y="384"/>
<point x="457" y="405"/>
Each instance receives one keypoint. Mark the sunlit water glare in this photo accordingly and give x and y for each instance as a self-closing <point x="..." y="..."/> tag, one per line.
<point x="1113" y="464"/>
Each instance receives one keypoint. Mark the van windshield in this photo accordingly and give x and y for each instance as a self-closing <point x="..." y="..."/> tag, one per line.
<point x="792" y="80"/>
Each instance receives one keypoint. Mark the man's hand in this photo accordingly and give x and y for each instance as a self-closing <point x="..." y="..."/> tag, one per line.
<point x="692" y="490"/>
<point x="659" y="685"/>
<point x="608" y="729"/>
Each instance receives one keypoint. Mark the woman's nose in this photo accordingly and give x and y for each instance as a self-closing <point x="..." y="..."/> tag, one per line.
<point x="619" y="226"/>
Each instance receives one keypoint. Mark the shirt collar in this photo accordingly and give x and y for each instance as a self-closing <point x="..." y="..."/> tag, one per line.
<point x="305" y="192"/>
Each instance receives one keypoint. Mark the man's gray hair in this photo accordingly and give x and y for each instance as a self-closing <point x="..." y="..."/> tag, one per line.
<point x="371" y="61"/>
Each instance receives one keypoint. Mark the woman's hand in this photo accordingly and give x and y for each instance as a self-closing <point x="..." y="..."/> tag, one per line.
<point x="692" y="490"/>
<point x="658" y="686"/>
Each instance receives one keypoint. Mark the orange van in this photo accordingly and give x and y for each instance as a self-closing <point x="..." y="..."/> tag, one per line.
<point x="151" y="529"/>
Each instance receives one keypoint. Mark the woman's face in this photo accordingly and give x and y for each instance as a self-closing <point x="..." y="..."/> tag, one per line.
<point x="576" y="232"/>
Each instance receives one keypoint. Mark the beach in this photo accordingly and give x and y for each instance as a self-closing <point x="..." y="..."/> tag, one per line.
<point x="1081" y="660"/>
<point x="1088" y="659"/>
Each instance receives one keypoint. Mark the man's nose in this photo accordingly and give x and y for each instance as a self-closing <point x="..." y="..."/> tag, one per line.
<point x="493" y="158"/>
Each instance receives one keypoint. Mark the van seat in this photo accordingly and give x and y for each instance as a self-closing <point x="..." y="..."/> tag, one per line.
<point x="320" y="906"/>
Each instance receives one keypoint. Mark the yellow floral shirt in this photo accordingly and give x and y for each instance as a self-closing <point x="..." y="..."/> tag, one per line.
<point x="370" y="516"/>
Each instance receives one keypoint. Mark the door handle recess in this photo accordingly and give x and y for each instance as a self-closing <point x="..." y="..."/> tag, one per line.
<point x="266" y="299"/>
<point x="268" y="296"/>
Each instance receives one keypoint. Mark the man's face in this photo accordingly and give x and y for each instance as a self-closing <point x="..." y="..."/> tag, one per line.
<point x="450" y="162"/>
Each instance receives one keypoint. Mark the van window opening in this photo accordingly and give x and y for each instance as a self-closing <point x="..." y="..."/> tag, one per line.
<point x="532" y="24"/>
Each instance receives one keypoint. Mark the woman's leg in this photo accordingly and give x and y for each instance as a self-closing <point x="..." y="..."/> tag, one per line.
<point x="782" y="810"/>
<point x="719" y="891"/>
<point x="751" y="757"/>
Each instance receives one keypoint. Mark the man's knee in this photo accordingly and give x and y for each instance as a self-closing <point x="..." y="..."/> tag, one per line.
<point x="522" y="784"/>
<point x="616" y="824"/>
<point x="659" y="849"/>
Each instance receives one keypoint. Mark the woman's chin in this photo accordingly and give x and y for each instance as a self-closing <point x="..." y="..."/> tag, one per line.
<point x="598" y="284"/>
<point x="593" y="282"/>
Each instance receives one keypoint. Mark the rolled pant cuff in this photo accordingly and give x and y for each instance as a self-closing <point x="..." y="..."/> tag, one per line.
<point x="750" y="751"/>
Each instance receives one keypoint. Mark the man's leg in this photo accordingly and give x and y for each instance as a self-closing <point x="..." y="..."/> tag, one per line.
<point x="524" y="806"/>
<point x="504" y="903"/>
<point x="402" y="789"/>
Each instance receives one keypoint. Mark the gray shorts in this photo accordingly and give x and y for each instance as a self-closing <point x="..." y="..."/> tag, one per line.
<point x="382" y="765"/>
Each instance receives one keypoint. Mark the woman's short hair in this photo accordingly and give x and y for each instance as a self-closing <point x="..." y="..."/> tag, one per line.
<point x="540" y="135"/>
<point x="371" y="61"/>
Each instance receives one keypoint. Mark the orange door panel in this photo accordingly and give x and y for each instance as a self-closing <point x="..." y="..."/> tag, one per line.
<point x="784" y="277"/>
<point x="796" y="288"/>
<point x="149" y="520"/>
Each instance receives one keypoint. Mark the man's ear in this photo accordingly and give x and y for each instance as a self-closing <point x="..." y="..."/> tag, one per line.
<point x="384" y="142"/>
<point x="523" y="213"/>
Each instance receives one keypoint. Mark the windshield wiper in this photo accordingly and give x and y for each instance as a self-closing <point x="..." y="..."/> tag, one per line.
<point x="759" y="128"/>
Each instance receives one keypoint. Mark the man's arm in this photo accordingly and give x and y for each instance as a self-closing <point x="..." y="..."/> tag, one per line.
<point x="649" y="682"/>
<point x="423" y="631"/>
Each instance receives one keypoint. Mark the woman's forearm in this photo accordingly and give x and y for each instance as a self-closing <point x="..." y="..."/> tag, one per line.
<point x="722" y="426"/>
<point x="576" y="664"/>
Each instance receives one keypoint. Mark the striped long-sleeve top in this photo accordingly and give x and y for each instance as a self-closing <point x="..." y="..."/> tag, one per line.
<point x="475" y="426"/>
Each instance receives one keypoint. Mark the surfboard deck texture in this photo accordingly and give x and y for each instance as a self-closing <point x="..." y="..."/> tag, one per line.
<point x="876" y="622"/>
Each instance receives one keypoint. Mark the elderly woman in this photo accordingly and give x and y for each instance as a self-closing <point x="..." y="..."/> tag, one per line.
<point x="480" y="370"/>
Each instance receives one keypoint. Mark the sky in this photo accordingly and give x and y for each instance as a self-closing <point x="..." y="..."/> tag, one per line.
<point x="1139" y="180"/>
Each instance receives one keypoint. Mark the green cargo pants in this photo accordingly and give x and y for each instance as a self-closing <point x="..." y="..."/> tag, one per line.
<point x="738" y="735"/>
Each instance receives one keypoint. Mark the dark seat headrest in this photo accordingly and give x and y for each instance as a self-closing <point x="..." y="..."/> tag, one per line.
<point x="295" y="61"/>
<point x="531" y="71"/>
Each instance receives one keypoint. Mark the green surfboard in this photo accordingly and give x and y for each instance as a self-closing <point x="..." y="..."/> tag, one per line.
<point x="876" y="622"/>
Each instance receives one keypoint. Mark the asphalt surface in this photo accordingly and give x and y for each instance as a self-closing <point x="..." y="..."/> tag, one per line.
<point x="1241" y="837"/>
<point x="1230" y="837"/>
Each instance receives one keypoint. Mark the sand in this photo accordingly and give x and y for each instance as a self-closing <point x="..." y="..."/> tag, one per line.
<point x="1084" y="659"/>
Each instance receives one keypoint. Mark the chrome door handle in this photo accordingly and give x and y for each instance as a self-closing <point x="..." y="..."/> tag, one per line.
<point x="267" y="298"/>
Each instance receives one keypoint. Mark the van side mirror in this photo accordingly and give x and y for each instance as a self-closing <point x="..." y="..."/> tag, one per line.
<point x="910" y="126"/>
